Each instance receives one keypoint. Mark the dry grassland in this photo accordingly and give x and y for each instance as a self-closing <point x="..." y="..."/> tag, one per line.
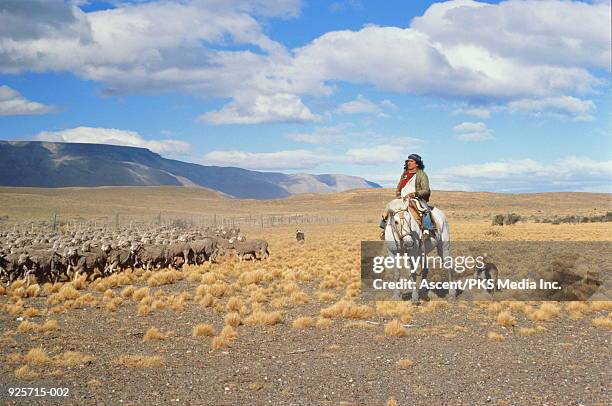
<point x="292" y="328"/>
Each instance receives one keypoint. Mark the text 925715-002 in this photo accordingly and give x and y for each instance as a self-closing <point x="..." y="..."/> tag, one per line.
<point x="37" y="392"/>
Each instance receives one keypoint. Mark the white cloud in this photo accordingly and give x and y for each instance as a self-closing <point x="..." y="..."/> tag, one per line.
<point x="499" y="53"/>
<point x="527" y="175"/>
<point x="383" y="150"/>
<point x="534" y="33"/>
<point x="280" y="160"/>
<point x="388" y="104"/>
<point x="321" y="135"/>
<point x="480" y="112"/>
<point x="469" y="131"/>
<point x="358" y="106"/>
<point x="94" y="135"/>
<point x="562" y="106"/>
<point x="12" y="103"/>
<point x="276" y="108"/>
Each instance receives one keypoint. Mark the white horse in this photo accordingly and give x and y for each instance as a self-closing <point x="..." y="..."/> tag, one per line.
<point x="403" y="235"/>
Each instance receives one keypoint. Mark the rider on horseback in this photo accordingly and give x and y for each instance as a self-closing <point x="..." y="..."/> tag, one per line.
<point x="413" y="183"/>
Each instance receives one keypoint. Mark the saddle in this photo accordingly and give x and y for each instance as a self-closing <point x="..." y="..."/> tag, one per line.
<point x="418" y="208"/>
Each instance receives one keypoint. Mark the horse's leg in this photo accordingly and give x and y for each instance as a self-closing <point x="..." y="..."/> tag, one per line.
<point x="443" y="248"/>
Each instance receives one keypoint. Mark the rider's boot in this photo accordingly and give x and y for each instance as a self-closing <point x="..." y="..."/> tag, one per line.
<point x="427" y="224"/>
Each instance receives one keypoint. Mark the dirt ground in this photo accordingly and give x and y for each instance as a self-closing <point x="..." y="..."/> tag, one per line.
<point x="300" y="334"/>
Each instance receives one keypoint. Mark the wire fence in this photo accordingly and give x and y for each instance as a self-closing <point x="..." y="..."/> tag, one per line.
<point x="118" y="220"/>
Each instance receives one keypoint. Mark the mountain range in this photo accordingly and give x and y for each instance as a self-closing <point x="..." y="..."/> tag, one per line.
<point x="56" y="164"/>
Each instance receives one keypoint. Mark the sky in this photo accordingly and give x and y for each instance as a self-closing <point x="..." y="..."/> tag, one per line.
<point x="511" y="96"/>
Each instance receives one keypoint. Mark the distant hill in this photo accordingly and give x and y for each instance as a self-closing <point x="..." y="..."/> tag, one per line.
<point x="54" y="164"/>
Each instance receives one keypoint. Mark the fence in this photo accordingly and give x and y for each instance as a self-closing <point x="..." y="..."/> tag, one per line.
<point x="117" y="220"/>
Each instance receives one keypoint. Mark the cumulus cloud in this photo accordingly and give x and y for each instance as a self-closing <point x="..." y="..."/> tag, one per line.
<point x="280" y="160"/>
<point x="562" y="106"/>
<point x="458" y="49"/>
<point x="358" y="106"/>
<point x="276" y="108"/>
<point x="321" y="135"/>
<point x="469" y="131"/>
<point x="95" y="135"/>
<point x="480" y="112"/>
<point x="526" y="175"/>
<point x="12" y="103"/>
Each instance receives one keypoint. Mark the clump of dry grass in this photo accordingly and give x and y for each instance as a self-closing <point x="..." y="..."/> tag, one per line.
<point x="70" y="358"/>
<point x="493" y="336"/>
<point x="600" y="305"/>
<point x="233" y="319"/>
<point x="28" y="326"/>
<point x="602" y="322"/>
<point x="37" y="356"/>
<point x="546" y="312"/>
<point x="225" y="338"/>
<point x="139" y="361"/>
<point x="32" y="290"/>
<point x="324" y="323"/>
<point x="405" y="363"/>
<point x="32" y="312"/>
<point x="127" y="292"/>
<point x="264" y="318"/>
<point x="391" y="402"/>
<point x="67" y="292"/>
<point x="395" y="328"/>
<point x="154" y="334"/>
<point x="303" y="322"/>
<point x="234" y="304"/>
<point x="505" y="319"/>
<point x="140" y="294"/>
<point x="144" y="310"/>
<point x="25" y="373"/>
<point x="203" y="330"/>
<point x="164" y="278"/>
<point x="527" y="331"/>
<point x="108" y="295"/>
<point x="326" y="296"/>
<point x="112" y="305"/>
<point x="207" y="300"/>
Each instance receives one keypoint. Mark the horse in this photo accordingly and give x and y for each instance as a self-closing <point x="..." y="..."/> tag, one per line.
<point x="404" y="236"/>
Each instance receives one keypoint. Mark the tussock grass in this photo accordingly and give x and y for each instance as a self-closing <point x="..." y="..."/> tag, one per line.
<point x="144" y="310"/>
<point x="602" y="322"/>
<point x="127" y="292"/>
<point x="164" y="278"/>
<point x="32" y="312"/>
<point x="108" y="295"/>
<point x="26" y="374"/>
<point x="112" y="305"/>
<point x="505" y="319"/>
<point x="140" y="361"/>
<point x="140" y="294"/>
<point x="405" y="363"/>
<point x="264" y="318"/>
<point x="71" y="358"/>
<point x="233" y="319"/>
<point x="391" y="402"/>
<point x="493" y="336"/>
<point x="600" y="305"/>
<point x="234" y="304"/>
<point x="323" y="323"/>
<point x="394" y="328"/>
<point x="67" y="292"/>
<point x="37" y="356"/>
<point x="225" y="338"/>
<point x="303" y="322"/>
<point x="154" y="334"/>
<point x="33" y="291"/>
<point x="31" y="327"/>
<point x="546" y="312"/>
<point x="202" y="330"/>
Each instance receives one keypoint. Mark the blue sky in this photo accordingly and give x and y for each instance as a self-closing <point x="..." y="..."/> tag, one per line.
<point x="501" y="96"/>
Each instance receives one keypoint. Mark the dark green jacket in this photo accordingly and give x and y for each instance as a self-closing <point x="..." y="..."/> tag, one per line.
<point x="421" y="185"/>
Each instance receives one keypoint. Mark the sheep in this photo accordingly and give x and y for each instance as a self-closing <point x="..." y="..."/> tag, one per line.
<point x="252" y="247"/>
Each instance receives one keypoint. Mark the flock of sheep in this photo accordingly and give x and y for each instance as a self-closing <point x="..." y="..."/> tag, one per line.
<point x="97" y="252"/>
